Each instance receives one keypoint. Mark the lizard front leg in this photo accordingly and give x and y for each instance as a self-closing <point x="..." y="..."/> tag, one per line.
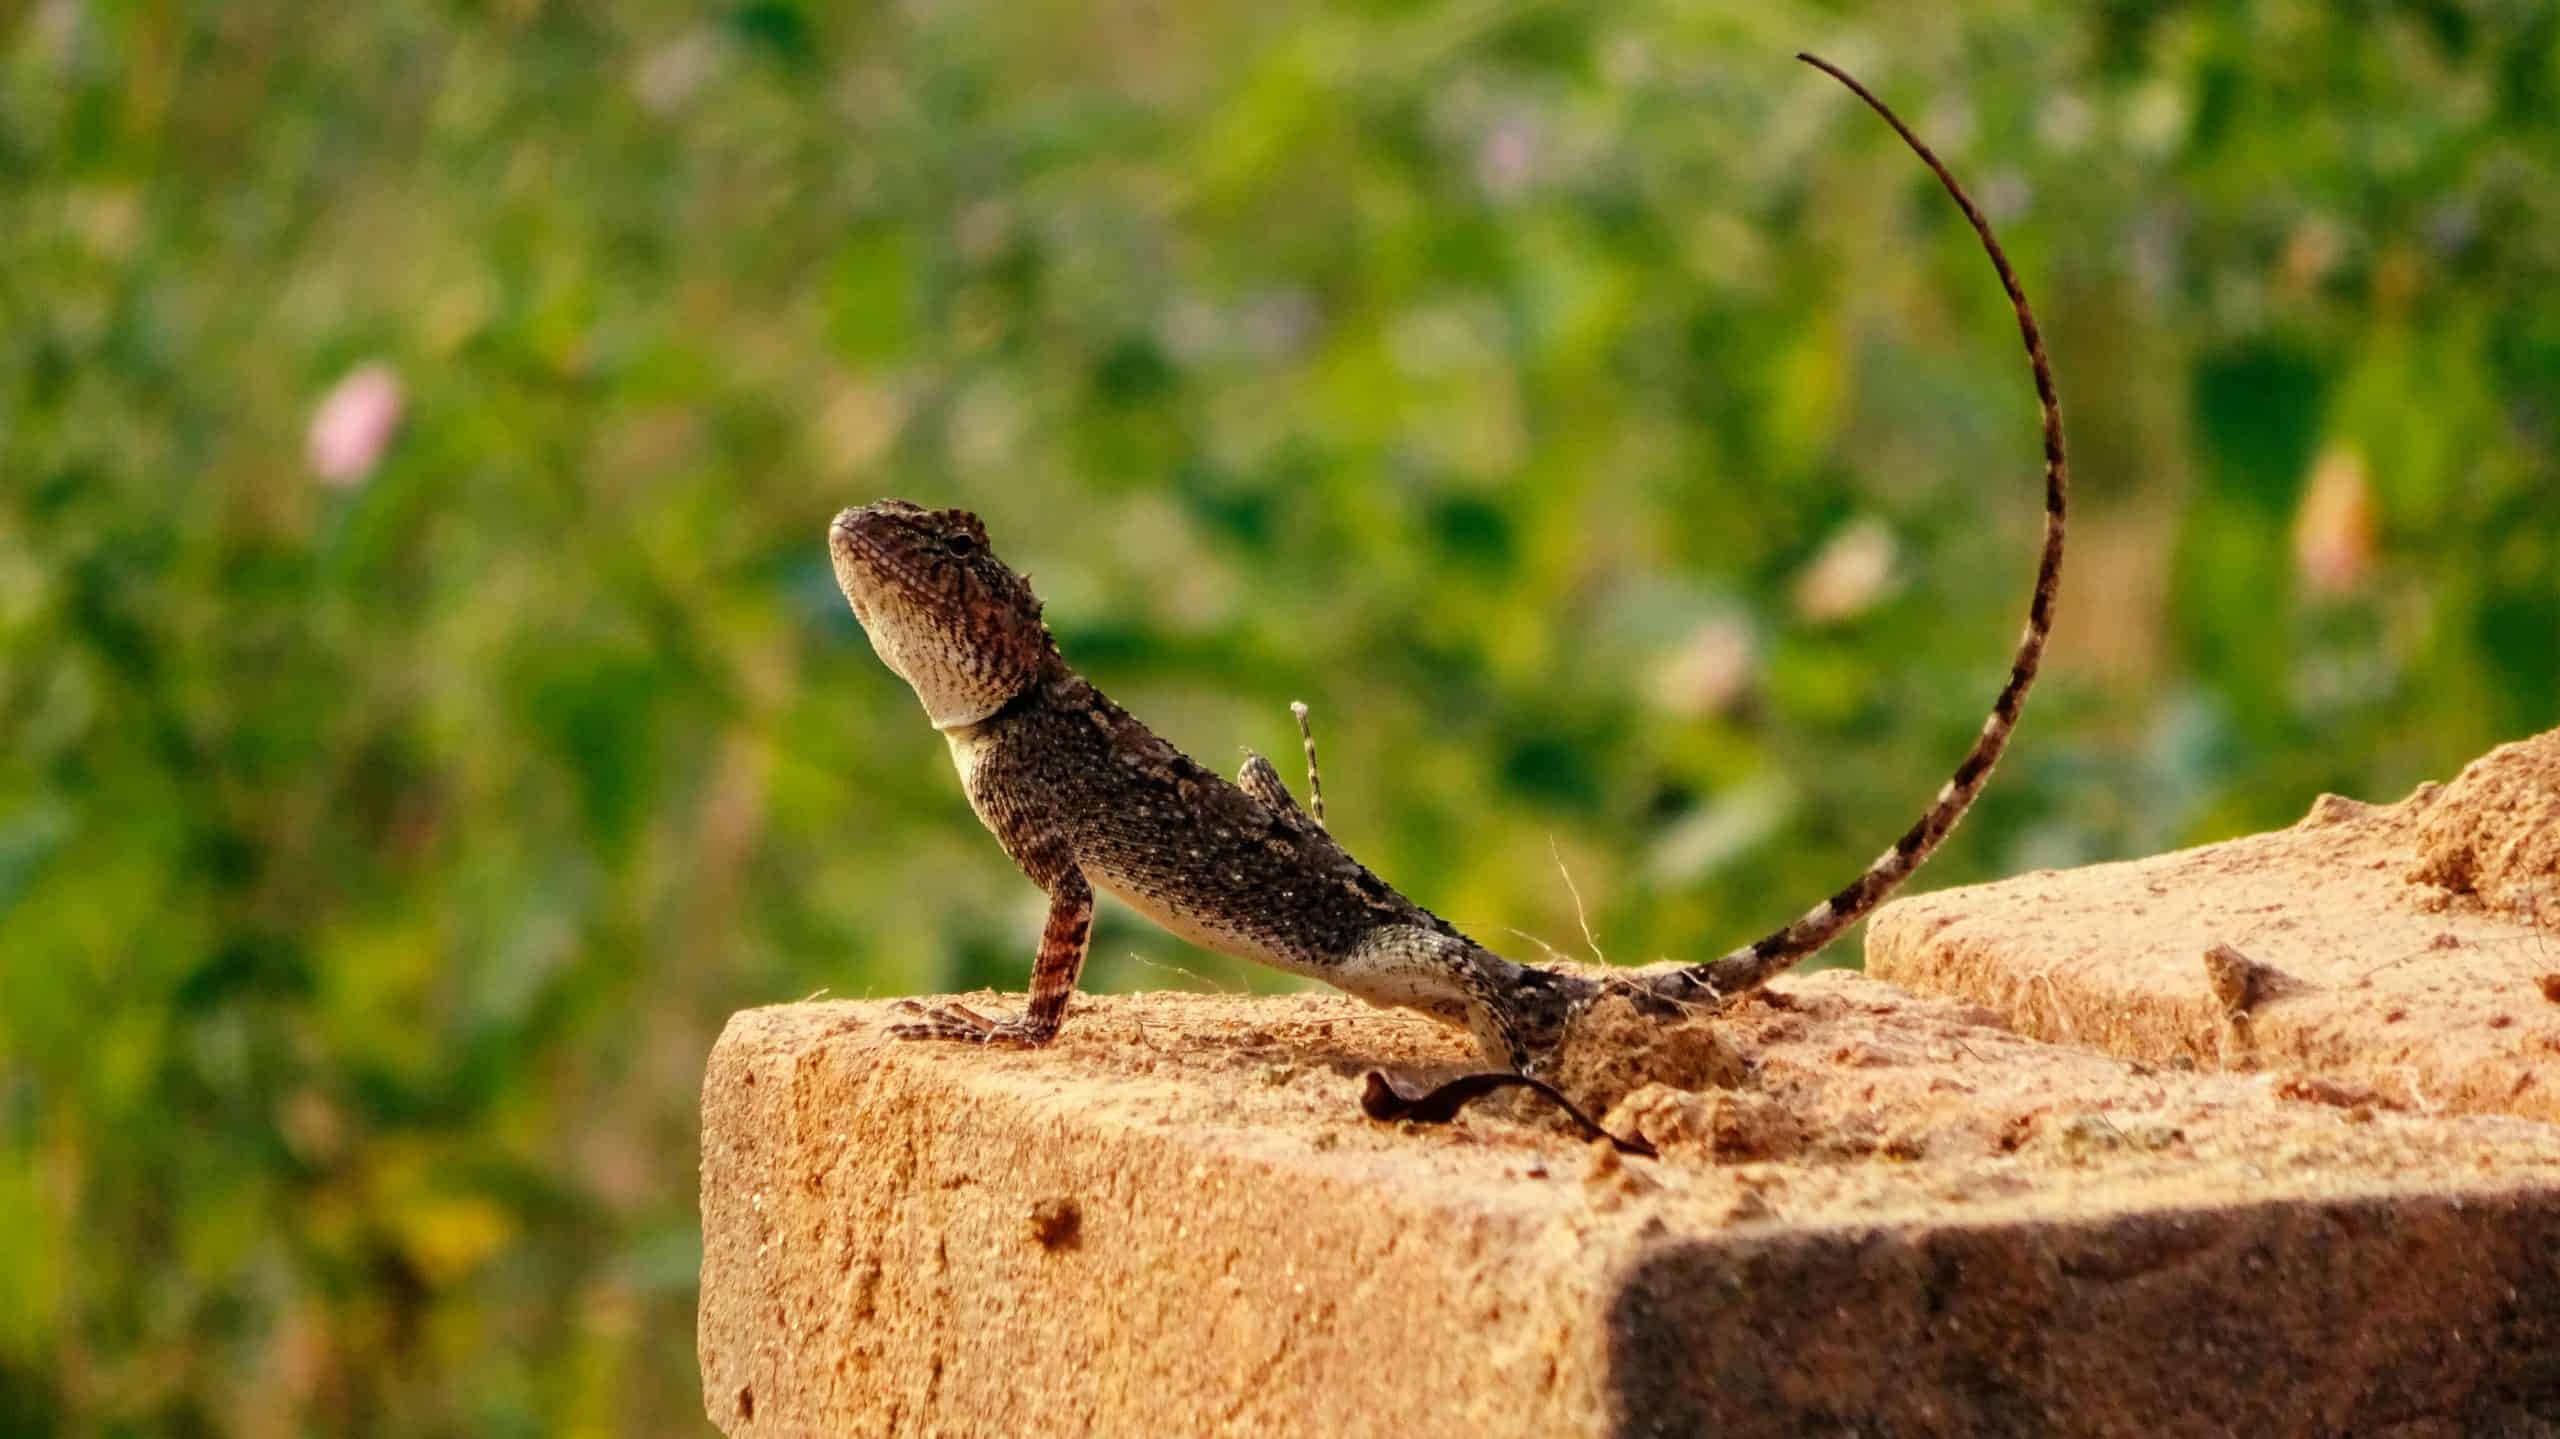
<point x="1258" y="778"/>
<point x="1021" y="813"/>
<point x="1063" y="941"/>
<point x="1261" y="780"/>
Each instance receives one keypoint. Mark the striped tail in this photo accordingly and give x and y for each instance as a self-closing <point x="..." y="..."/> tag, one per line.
<point x="1756" y="964"/>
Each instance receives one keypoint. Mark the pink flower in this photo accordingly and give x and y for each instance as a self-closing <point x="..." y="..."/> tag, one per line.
<point x="354" y="424"/>
<point x="1507" y="159"/>
<point x="2336" y="532"/>
<point x="1849" y="574"/>
<point x="1709" y="670"/>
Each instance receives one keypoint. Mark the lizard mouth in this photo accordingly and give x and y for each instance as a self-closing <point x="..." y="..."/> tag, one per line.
<point x="867" y="559"/>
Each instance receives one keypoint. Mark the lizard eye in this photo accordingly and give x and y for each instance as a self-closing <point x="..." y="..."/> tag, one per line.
<point x="960" y="546"/>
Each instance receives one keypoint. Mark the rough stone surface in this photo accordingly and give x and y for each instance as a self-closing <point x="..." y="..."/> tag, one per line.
<point x="1878" y="1214"/>
<point x="2401" y="952"/>
<point x="2493" y="836"/>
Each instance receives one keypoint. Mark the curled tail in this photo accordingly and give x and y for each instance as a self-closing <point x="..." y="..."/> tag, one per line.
<point x="1749" y="967"/>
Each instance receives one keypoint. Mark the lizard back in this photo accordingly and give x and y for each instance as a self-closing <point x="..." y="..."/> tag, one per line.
<point x="1181" y="845"/>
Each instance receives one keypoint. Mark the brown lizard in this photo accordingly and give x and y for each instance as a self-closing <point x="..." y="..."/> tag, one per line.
<point x="1083" y="796"/>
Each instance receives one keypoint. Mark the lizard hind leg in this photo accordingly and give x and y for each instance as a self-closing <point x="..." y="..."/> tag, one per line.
<point x="1517" y="1015"/>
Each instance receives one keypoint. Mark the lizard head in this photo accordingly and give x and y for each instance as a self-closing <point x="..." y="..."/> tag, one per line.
<point x="951" y="619"/>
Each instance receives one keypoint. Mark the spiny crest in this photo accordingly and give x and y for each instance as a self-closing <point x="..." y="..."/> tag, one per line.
<point x="955" y="622"/>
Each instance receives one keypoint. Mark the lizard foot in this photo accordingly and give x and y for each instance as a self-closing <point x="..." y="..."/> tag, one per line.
<point x="960" y="1024"/>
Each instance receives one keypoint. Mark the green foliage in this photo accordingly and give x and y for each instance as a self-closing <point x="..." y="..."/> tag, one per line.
<point x="379" y="858"/>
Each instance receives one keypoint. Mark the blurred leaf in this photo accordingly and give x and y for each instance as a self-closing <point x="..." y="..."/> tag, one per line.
<point x="872" y="296"/>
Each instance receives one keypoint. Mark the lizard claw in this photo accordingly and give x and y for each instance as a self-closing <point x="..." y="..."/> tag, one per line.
<point x="957" y="1022"/>
<point x="960" y="1024"/>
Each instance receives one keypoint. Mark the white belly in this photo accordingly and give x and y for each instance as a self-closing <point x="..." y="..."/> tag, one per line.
<point x="1192" y="927"/>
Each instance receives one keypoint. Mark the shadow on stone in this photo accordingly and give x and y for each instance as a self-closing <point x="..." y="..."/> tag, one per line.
<point x="2352" y="1317"/>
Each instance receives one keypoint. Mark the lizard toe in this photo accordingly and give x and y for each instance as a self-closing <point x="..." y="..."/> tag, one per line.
<point x="955" y="1022"/>
<point x="1019" y="1034"/>
<point x="953" y="1033"/>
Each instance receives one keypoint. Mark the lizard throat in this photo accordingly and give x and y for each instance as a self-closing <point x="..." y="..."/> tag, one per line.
<point x="961" y="730"/>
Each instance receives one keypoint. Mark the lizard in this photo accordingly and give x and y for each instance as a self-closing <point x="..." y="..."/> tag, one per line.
<point x="1084" y="797"/>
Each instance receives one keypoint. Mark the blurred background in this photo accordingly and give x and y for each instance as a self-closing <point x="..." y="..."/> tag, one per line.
<point x="426" y="712"/>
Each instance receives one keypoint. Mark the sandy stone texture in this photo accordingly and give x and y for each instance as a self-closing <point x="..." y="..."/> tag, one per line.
<point x="1873" y="1213"/>
<point x="2407" y="955"/>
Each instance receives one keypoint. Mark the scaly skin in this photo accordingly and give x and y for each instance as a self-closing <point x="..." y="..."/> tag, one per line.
<point x="1085" y="797"/>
